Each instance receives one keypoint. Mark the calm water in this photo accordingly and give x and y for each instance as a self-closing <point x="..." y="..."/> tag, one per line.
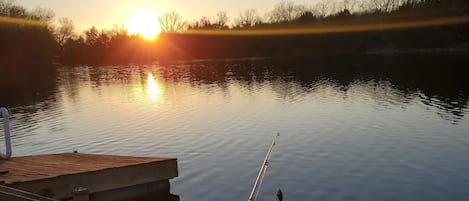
<point x="352" y="128"/>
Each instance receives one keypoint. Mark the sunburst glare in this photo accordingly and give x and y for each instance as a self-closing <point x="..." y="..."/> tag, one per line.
<point x="144" y="23"/>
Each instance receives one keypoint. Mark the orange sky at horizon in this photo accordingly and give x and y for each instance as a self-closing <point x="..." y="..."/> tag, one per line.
<point x="107" y="13"/>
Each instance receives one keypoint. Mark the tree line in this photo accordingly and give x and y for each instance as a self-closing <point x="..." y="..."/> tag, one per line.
<point x="288" y="12"/>
<point x="31" y="37"/>
<point x="331" y="26"/>
<point x="26" y="36"/>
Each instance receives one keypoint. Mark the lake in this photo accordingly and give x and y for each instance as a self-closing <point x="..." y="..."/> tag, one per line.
<point x="353" y="127"/>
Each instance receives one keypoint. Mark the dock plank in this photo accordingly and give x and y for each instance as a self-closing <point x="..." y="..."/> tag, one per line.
<point x="63" y="172"/>
<point x="28" y="168"/>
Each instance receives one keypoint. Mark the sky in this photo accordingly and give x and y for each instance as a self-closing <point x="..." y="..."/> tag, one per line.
<point x="107" y="13"/>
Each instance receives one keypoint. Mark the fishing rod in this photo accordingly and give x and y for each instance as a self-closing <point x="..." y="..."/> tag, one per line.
<point x="262" y="171"/>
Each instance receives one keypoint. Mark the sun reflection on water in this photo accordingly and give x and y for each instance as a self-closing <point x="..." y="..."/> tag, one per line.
<point x="154" y="90"/>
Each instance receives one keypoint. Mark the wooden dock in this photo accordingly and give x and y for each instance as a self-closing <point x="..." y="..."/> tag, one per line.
<point x="58" y="175"/>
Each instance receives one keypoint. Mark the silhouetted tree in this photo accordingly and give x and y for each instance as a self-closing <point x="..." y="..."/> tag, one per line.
<point x="348" y="5"/>
<point x="286" y="11"/>
<point x="42" y="14"/>
<point x="385" y="5"/>
<point x="203" y="23"/>
<point x="91" y="36"/>
<point x="221" y="20"/>
<point x="306" y="16"/>
<point x="248" y="18"/>
<point x="10" y="9"/>
<point x="26" y="39"/>
<point x="172" y="22"/>
<point x="324" y="8"/>
<point x="343" y="14"/>
<point x="64" y="31"/>
<point x="118" y="30"/>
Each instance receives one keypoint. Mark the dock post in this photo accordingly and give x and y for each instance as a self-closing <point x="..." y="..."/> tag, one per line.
<point x="6" y="127"/>
<point x="81" y="194"/>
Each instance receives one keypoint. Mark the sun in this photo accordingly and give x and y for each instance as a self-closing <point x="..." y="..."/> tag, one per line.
<point x="144" y="23"/>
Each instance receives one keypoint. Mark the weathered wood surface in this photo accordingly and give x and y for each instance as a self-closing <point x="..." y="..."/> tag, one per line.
<point x="29" y="168"/>
<point x="56" y="175"/>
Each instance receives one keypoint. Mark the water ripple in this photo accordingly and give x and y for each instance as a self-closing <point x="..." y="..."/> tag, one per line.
<point x="341" y="139"/>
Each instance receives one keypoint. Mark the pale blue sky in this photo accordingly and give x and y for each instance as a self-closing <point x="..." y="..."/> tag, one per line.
<point x="106" y="13"/>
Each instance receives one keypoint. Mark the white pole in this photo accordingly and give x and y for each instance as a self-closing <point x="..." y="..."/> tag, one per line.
<point x="6" y="129"/>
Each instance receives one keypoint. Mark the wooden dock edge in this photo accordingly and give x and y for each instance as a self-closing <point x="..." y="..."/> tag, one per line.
<point x="104" y="180"/>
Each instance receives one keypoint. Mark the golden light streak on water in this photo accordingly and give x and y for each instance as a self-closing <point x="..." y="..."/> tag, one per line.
<point x="308" y="29"/>
<point x="154" y="89"/>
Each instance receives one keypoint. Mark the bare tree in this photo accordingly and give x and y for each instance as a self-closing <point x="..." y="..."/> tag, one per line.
<point x="91" y="36"/>
<point x="11" y="9"/>
<point x="409" y="4"/>
<point x="42" y="14"/>
<point x="364" y="6"/>
<point x="205" y="22"/>
<point x="64" y="31"/>
<point x="286" y="11"/>
<point x="221" y="20"/>
<point x="118" y="30"/>
<point x="248" y="18"/>
<point x="324" y="8"/>
<point x="385" y="5"/>
<point x="348" y="5"/>
<point x="172" y="22"/>
<point x="5" y="5"/>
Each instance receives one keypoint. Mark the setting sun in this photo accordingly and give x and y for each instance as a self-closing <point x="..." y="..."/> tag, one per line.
<point x="144" y="23"/>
